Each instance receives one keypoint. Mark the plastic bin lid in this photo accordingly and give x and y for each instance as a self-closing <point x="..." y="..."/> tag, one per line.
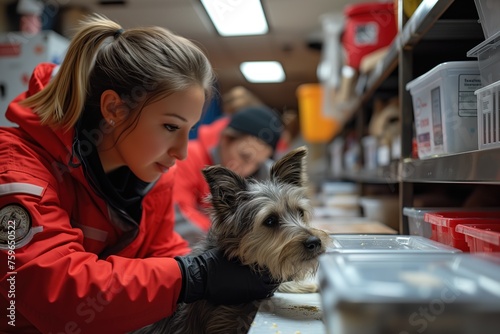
<point x="420" y="212"/>
<point x="468" y="64"/>
<point x="410" y="278"/>
<point x="414" y="212"/>
<point x="381" y="243"/>
<point x="492" y="41"/>
<point x="487" y="88"/>
<point x="486" y="232"/>
<point x="461" y="217"/>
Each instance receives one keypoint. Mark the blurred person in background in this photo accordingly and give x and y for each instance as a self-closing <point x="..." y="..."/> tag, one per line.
<point x="244" y="142"/>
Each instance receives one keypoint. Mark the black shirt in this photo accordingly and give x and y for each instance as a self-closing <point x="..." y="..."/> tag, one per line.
<point x="121" y="189"/>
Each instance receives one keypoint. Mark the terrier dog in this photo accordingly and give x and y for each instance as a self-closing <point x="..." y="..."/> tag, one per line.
<point x="265" y="224"/>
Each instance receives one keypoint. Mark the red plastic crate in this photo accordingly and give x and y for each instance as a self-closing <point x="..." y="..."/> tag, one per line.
<point x="443" y="225"/>
<point x="481" y="237"/>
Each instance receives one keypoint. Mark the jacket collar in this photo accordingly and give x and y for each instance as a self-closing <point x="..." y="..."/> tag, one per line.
<point x="57" y="142"/>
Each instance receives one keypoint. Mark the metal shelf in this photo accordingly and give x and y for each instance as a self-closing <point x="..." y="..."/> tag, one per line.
<point x="480" y="167"/>
<point x="381" y="175"/>
<point x="424" y="18"/>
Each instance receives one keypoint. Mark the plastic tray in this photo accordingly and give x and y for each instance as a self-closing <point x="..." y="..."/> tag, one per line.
<point x="386" y="243"/>
<point x="392" y="293"/>
<point x="443" y="225"/>
<point x="481" y="238"/>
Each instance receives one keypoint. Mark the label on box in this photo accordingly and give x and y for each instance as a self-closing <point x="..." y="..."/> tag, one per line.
<point x="467" y="101"/>
<point x="366" y="34"/>
<point x="428" y="120"/>
<point x="437" y="123"/>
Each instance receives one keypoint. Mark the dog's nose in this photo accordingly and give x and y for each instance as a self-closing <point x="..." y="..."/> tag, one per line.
<point x="312" y="243"/>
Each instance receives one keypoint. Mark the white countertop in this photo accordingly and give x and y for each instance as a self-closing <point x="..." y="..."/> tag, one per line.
<point x="289" y="313"/>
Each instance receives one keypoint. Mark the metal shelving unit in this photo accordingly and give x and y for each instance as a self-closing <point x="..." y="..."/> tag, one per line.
<point x="433" y="22"/>
<point x="468" y="167"/>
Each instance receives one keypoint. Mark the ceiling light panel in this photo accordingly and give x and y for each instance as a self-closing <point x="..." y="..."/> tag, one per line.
<point x="237" y="17"/>
<point x="263" y="71"/>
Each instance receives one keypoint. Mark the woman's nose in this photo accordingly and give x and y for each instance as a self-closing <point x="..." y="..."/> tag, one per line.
<point x="179" y="149"/>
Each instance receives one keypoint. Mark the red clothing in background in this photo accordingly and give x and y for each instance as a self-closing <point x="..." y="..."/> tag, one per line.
<point x="190" y="185"/>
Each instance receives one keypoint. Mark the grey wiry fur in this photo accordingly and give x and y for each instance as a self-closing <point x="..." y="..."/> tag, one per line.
<point x="265" y="225"/>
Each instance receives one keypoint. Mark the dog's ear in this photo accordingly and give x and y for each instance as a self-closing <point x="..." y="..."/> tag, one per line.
<point x="291" y="168"/>
<point x="224" y="187"/>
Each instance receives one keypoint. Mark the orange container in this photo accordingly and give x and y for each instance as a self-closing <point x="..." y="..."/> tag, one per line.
<point x="315" y="127"/>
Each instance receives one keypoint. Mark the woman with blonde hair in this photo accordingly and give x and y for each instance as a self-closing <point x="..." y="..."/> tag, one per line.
<point x="87" y="224"/>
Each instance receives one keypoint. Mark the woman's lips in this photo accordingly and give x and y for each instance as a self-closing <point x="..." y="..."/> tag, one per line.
<point x="162" y="168"/>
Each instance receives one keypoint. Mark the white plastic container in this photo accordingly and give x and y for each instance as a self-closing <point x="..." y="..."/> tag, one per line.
<point x="373" y="293"/>
<point x="445" y="108"/>
<point x="488" y="112"/>
<point x="382" y="243"/>
<point x="489" y="11"/>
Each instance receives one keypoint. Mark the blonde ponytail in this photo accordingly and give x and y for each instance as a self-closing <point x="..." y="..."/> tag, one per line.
<point x="103" y="56"/>
<point x="61" y="102"/>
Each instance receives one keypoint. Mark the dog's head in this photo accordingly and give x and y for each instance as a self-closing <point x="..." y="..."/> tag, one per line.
<point x="266" y="223"/>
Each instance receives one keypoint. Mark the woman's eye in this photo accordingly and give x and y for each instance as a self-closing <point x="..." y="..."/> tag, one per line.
<point x="271" y="221"/>
<point x="170" y="127"/>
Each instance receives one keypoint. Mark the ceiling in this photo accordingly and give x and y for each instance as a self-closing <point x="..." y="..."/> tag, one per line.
<point x="294" y="26"/>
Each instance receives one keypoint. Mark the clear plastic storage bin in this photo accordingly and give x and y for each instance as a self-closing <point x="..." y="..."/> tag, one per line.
<point x="445" y="108"/>
<point x="489" y="11"/>
<point x="386" y="243"/>
<point x="409" y="293"/>
<point x="416" y="223"/>
<point x="488" y="58"/>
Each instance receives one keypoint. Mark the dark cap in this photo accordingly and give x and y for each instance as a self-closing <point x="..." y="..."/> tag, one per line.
<point x="259" y="121"/>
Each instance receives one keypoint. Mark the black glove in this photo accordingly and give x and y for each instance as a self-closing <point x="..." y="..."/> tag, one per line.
<point x="212" y="277"/>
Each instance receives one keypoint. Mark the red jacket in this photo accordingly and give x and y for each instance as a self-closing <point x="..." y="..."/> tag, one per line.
<point x="54" y="278"/>
<point x="190" y="185"/>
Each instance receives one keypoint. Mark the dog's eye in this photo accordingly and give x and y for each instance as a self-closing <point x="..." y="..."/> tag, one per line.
<point x="301" y="213"/>
<point x="271" y="221"/>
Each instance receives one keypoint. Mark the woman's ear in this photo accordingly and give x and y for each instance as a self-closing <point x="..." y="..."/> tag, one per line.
<point x="111" y="107"/>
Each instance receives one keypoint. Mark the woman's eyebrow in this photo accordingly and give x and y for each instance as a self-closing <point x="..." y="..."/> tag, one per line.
<point x="175" y="115"/>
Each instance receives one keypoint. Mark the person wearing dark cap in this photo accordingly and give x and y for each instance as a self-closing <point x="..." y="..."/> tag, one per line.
<point x="244" y="142"/>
